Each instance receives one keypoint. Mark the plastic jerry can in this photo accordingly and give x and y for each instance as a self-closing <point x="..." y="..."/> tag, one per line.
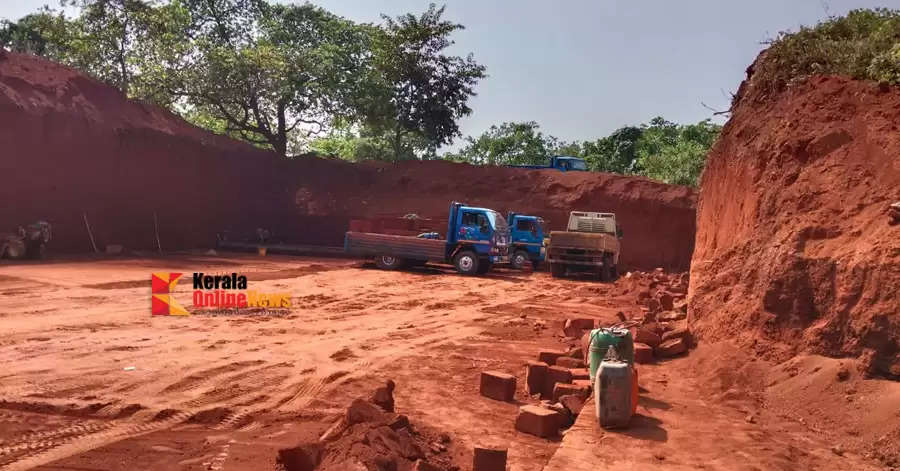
<point x="603" y="338"/>
<point x="613" y="393"/>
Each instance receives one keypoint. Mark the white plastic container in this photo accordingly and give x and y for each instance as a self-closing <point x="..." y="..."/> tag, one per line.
<point x="612" y="393"/>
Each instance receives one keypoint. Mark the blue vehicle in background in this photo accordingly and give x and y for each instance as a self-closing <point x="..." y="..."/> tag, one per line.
<point x="476" y="239"/>
<point x="527" y="233"/>
<point x="563" y="163"/>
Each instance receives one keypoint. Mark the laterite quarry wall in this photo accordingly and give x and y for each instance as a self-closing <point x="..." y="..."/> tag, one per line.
<point x="71" y="146"/>
<point x="795" y="251"/>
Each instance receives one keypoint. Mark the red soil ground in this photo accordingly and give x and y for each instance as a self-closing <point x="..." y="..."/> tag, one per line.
<point x="795" y="251"/>
<point x="73" y="146"/>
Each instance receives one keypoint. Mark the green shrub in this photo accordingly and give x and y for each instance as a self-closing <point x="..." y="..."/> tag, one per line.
<point x="865" y="44"/>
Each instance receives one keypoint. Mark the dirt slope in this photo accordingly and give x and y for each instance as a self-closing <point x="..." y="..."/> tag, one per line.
<point x="73" y="146"/>
<point x="794" y="249"/>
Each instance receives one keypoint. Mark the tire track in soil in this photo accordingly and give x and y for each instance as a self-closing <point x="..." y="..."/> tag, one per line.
<point x="300" y="394"/>
<point x="46" y="447"/>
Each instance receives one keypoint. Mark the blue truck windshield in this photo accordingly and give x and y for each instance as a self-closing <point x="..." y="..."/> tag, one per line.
<point x="577" y="165"/>
<point x="497" y="220"/>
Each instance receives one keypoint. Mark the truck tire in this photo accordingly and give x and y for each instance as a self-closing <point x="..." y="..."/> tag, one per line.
<point x="519" y="259"/>
<point x="557" y="270"/>
<point x="466" y="262"/>
<point x="607" y="271"/>
<point x="388" y="262"/>
<point x="15" y="250"/>
<point x="484" y="266"/>
<point x="603" y="273"/>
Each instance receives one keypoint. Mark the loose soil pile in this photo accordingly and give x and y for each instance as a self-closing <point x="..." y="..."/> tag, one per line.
<point x="795" y="250"/>
<point x="73" y="146"/>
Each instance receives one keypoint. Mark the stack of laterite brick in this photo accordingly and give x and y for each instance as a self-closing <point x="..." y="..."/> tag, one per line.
<point x="664" y="331"/>
<point x="561" y="380"/>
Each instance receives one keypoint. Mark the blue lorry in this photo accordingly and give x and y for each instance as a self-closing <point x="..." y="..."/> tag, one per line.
<point x="527" y="233"/>
<point x="476" y="239"/>
<point x="562" y="163"/>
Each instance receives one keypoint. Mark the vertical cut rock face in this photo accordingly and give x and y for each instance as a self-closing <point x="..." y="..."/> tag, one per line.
<point x="70" y="146"/>
<point x="795" y="250"/>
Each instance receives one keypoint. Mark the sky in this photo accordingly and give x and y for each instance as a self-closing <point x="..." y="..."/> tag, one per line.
<point x="584" y="68"/>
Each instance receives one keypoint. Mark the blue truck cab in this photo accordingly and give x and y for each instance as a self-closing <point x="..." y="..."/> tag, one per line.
<point x="563" y="163"/>
<point x="482" y="232"/>
<point x="527" y="245"/>
<point x="476" y="239"/>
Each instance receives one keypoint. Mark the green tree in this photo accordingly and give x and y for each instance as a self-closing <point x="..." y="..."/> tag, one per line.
<point x="616" y="153"/>
<point x="508" y="144"/>
<point x="109" y="31"/>
<point x="46" y="33"/>
<point x="270" y="71"/>
<point x="419" y="91"/>
<point x="674" y="153"/>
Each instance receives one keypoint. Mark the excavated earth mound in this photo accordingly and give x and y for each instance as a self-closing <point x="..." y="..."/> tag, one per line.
<point x="76" y="149"/>
<point x="795" y="250"/>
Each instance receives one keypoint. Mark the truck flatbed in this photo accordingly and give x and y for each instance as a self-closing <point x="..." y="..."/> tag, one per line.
<point x="413" y="248"/>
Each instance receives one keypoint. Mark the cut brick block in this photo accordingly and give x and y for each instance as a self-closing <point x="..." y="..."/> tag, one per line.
<point x="666" y="301"/>
<point x="422" y="465"/>
<point x="643" y="353"/>
<point x="644" y="335"/>
<point x="573" y="403"/>
<point x="566" y="389"/>
<point x="671" y="316"/>
<point x="535" y="377"/>
<point x="678" y="333"/>
<point x="576" y="352"/>
<point x="536" y="420"/>
<point x="489" y="459"/>
<point x="583" y="382"/>
<point x="569" y="362"/>
<point x="555" y="374"/>
<point x="498" y="386"/>
<point x="575" y="327"/>
<point x="549" y="356"/>
<point x="580" y="373"/>
<point x="672" y="347"/>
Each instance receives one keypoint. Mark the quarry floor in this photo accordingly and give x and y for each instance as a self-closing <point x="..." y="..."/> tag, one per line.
<point x="89" y="380"/>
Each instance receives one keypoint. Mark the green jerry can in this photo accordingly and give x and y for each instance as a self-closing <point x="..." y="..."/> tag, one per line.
<point x="605" y="337"/>
<point x="613" y="391"/>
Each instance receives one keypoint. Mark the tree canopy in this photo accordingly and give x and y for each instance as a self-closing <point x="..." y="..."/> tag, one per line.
<point x="275" y="75"/>
<point x="296" y="78"/>
<point x="660" y="149"/>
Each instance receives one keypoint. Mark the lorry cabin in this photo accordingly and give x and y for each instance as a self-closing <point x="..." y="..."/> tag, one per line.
<point x="563" y="163"/>
<point x="590" y="243"/>
<point x="476" y="239"/>
<point x="527" y="245"/>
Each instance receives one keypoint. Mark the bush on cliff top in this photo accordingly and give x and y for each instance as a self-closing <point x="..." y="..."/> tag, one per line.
<point x="865" y="45"/>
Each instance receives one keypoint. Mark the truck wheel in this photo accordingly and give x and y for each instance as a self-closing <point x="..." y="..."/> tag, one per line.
<point x="557" y="270"/>
<point x="519" y="259"/>
<point x="388" y="262"/>
<point x="466" y="262"/>
<point x="603" y="273"/>
<point x="613" y="273"/>
<point x="15" y="250"/>
<point x="607" y="271"/>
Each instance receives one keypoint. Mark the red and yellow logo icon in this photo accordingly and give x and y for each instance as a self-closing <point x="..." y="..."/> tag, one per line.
<point x="162" y="286"/>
